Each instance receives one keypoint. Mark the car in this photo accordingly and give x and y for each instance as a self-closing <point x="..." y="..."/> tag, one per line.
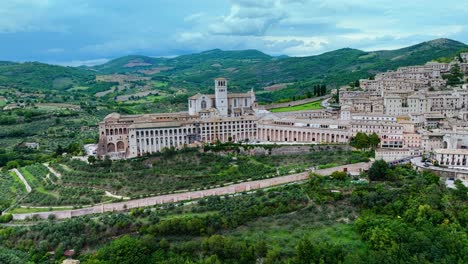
<point x="426" y="165"/>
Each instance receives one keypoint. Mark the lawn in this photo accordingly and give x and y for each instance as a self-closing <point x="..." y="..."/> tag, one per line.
<point x="2" y="102"/>
<point x="309" y="106"/>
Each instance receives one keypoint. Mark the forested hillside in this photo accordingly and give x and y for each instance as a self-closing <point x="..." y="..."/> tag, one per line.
<point x="246" y="69"/>
<point x="251" y="68"/>
<point x="39" y="76"/>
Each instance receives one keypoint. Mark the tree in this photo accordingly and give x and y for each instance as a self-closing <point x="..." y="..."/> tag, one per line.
<point x="360" y="141"/>
<point x="339" y="175"/>
<point x="323" y="89"/>
<point x="59" y="150"/>
<point x="378" y="171"/>
<point x="91" y="159"/>
<point x="304" y="251"/>
<point x="356" y="83"/>
<point x="124" y="250"/>
<point x="374" y="140"/>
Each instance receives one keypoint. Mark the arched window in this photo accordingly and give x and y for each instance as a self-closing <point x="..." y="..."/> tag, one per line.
<point x="203" y="104"/>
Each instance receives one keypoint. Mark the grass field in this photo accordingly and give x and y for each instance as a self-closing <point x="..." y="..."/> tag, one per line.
<point x="2" y="102"/>
<point x="309" y="106"/>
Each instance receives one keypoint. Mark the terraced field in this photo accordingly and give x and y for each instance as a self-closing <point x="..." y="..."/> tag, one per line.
<point x="190" y="170"/>
<point x="47" y="190"/>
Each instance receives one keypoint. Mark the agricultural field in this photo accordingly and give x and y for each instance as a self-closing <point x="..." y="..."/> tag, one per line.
<point x="191" y="169"/>
<point x="309" y="106"/>
<point x="47" y="190"/>
<point x="11" y="189"/>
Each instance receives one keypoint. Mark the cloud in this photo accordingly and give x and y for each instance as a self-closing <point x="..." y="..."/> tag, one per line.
<point x="78" y="31"/>
<point x="194" y="17"/>
<point x="249" y="18"/>
<point x="76" y="63"/>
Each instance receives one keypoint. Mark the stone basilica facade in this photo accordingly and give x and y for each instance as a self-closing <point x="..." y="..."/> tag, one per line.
<point x="223" y="116"/>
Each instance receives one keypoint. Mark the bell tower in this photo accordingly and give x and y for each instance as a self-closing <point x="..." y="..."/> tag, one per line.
<point x="221" y="96"/>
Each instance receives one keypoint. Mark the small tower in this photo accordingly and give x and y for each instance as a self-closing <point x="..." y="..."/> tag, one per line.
<point x="221" y="96"/>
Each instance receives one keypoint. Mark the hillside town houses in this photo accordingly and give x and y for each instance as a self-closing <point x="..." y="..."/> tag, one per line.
<point x="411" y="109"/>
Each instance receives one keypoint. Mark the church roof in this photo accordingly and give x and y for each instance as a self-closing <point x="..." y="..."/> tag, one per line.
<point x="238" y="95"/>
<point x="197" y="96"/>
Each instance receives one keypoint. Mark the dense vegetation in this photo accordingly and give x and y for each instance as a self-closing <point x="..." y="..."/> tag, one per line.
<point x="406" y="217"/>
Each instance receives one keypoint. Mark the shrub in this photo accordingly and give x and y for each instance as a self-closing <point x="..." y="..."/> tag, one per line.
<point x="6" y="218"/>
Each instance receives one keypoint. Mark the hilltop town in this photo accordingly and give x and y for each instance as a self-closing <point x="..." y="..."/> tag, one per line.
<point x="415" y="111"/>
<point x="138" y="161"/>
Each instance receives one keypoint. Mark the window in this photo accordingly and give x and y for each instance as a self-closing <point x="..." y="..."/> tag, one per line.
<point x="203" y="104"/>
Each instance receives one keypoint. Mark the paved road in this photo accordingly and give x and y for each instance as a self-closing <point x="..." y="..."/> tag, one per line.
<point x="28" y="188"/>
<point x="177" y="197"/>
<point x="448" y="182"/>
<point x="325" y="103"/>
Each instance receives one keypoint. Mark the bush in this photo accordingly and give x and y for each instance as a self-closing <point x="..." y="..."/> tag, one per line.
<point x="378" y="171"/>
<point x="6" y="218"/>
<point x="339" y="175"/>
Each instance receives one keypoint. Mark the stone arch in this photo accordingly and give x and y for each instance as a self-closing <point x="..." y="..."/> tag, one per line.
<point x="120" y="146"/>
<point x="111" y="147"/>
<point x="120" y="131"/>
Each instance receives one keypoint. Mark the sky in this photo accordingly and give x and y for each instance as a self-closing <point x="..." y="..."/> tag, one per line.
<point x="88" y="32"/>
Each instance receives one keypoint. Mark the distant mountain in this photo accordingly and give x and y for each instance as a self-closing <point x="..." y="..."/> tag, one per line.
<point x="131" y="63"/>
<point x="137" y="63"/>
<point x="245" y="68"/>
<point x="252" y="68"/>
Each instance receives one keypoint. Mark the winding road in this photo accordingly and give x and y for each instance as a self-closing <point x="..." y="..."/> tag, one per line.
<point x="192" y="195"/>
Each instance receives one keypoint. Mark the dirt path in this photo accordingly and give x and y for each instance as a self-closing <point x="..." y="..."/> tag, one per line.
<point x="116" y="196"/>
<point x="58" y="174"/>
<point x="193" y="195"/>
<point x="28" y="188"/>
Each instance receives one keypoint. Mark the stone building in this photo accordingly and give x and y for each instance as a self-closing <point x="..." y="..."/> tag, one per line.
<point x="222" y="103"/>
<point x="451" y="157"/>
<point x="222" y="117"/>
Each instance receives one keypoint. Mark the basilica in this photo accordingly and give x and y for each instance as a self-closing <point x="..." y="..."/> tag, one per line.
<point x="221" y="116"/>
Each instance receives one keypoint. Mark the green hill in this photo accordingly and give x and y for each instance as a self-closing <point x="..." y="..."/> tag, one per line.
<point x="252" y="68"/>
<point x="36" y="76"/>
<point x="245" y="68"/>
<point x="130" y="63"/>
